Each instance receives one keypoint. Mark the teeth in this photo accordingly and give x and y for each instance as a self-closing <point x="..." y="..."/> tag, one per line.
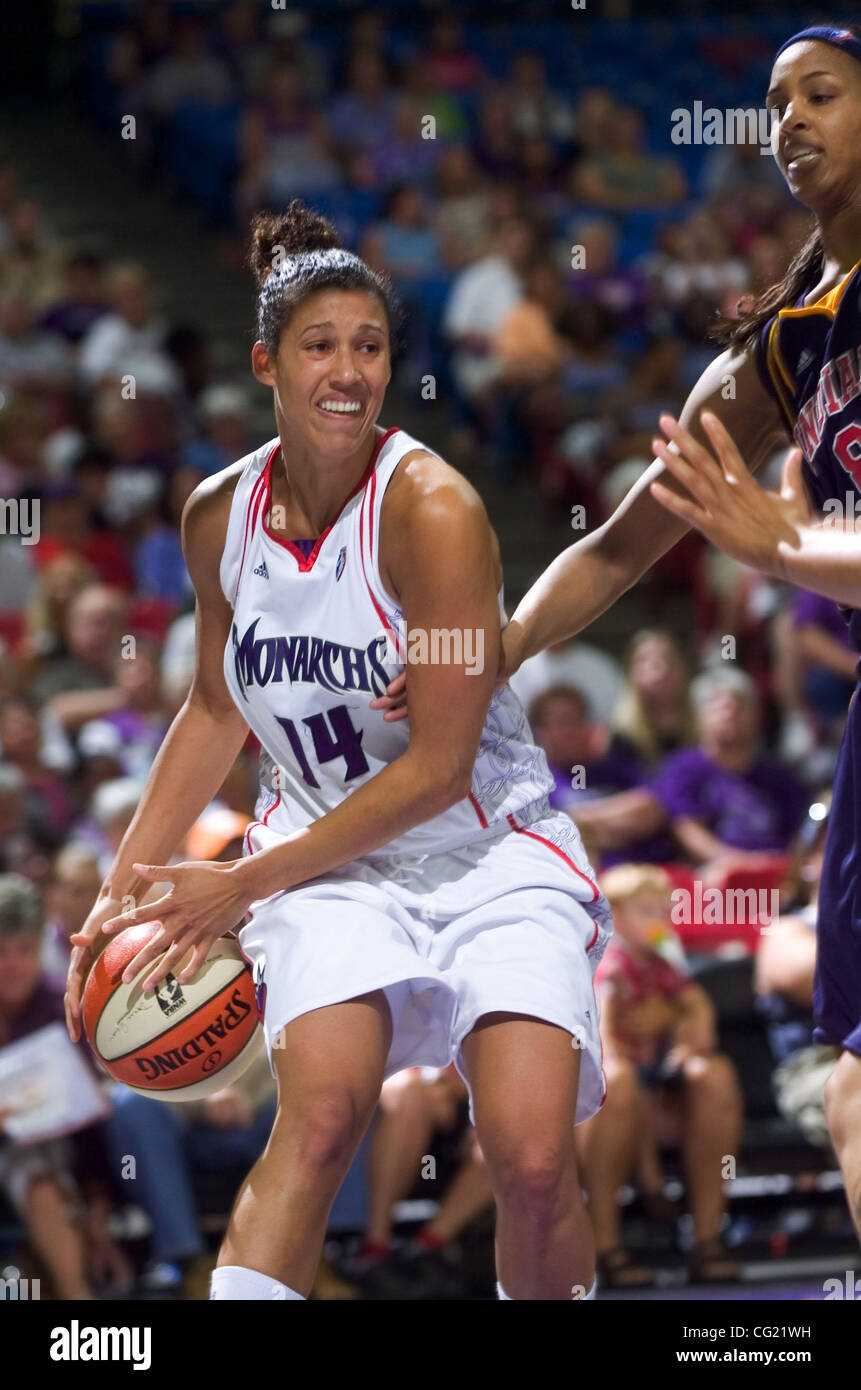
<point x="802" y="157"/>
<point x="341" y="407"/>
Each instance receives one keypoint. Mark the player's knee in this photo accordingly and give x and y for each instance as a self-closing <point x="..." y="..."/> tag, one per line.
<point x="322" y="1129"/>
<point x="531" y="1173"/>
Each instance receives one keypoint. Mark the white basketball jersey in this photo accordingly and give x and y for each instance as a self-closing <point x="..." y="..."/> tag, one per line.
<point x="314" y="640"/>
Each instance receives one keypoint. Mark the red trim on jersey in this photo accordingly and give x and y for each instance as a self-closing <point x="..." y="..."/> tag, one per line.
<point x="380" y="614"/>
<point x="253" y="504"/>
<point x="521" y="830"/>
<point x="305" y="563"/>
<point x="597" y="1020"/>
<point x="255" y="824"/>
<point x="478" y="811"/>
<point x="372" y="491"/>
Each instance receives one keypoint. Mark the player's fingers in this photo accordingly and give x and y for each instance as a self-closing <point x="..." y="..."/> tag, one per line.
<point x="151" y="912"/>
<point x="74" y="985"/>
<point x="145" y="957"/>
<point x="679" y="506"/>
<point x="690" y="448"/>
<point x="171" y="957"/>
<point x="158" y="873"/>
<point x="729" y="457"/>
<point x="198" y="956"/>
<point x="82" y="940"/>
<point x="386" y="703"/>
<point x="73" y="1017"/>
<point x="397" y="686"/>
<point x="694" y="480"/>
<point x="398" y="712"/>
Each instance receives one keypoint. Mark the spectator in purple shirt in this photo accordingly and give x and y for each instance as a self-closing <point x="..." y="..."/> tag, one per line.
<point x="82" y="298"/>
<point x="728" y="804"/>
<point x="605" y="790"/>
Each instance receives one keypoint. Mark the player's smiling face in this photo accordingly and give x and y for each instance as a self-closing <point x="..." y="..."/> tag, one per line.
<point x="332" y="368"/>
<point x="815" y="91"/>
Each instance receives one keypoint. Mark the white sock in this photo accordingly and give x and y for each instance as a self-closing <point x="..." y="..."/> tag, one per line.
<point x="500" y="1292"/>
<point x="232" y="1281"/>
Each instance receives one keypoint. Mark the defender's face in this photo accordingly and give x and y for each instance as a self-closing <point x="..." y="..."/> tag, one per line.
<point x="815" y="93"/>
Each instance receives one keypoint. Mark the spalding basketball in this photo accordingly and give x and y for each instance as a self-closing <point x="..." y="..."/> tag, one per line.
<point x="183" y="1041"/>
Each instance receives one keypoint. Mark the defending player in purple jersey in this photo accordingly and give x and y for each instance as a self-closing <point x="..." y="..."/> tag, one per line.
<point x="790" y="369"/>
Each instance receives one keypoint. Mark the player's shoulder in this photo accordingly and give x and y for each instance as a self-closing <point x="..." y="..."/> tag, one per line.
<point x="424" y="483"/>
<point x="206" y="514"/>
<point x="211" y="500"/>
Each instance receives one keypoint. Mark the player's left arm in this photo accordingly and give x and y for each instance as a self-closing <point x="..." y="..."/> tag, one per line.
<point x="442" y="566"/>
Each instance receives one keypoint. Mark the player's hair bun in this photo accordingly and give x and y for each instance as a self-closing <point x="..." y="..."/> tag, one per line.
<point x="288" y="233"/>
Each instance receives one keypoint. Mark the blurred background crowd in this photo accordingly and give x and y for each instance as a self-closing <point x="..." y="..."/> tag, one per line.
<point x="559" y="260"/>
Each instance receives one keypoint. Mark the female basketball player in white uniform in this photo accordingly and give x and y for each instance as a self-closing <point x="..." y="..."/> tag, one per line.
<point x="409" y="897"/>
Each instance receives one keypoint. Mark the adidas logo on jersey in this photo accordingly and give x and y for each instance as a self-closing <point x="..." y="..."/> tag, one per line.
<point x="261" y="570"/>
<point x="806" y="356"/>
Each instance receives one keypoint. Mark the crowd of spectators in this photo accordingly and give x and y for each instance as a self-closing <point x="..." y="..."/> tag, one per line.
<point x="558" y="266"/>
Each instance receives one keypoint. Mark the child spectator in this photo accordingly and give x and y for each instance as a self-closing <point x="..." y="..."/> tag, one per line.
<point x="664" y="1077"/>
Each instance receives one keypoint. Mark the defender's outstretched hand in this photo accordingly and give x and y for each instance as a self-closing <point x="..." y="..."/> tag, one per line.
<point x="726" y="504"/>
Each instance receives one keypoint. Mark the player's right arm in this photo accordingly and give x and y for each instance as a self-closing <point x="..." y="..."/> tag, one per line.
<point x="587" y="578"/>
<point x="198" y="751"/>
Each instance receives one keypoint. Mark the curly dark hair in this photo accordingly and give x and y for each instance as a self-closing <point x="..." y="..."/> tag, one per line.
<point x="298" y="252"/>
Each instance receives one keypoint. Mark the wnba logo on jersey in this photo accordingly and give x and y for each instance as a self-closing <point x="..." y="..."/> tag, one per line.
<point x="342" y="560"/>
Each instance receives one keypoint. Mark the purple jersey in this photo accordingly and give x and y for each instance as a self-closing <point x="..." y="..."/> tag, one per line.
<point x="809" y="359"/>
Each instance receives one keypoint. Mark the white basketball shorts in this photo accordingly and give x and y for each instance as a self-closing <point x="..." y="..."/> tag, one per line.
<point x="512" y="921"/>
